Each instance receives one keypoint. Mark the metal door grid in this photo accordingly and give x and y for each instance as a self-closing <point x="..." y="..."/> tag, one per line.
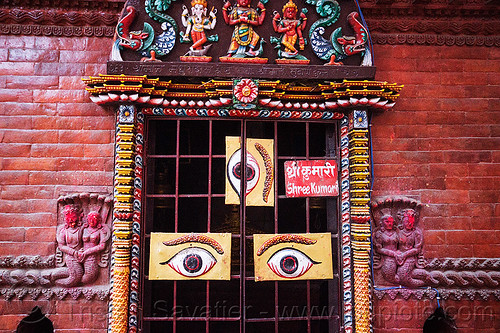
<point x="147" y="319"/>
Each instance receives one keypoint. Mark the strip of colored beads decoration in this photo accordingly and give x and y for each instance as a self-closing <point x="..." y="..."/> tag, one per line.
<point x="346" y="227"/>
<point x="359" y="165"/>
<point x="136" y="226"/>
<point x="123" y="218"/>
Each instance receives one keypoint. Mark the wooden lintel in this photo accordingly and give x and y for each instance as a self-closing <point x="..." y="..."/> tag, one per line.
<point x="225" y="70"/>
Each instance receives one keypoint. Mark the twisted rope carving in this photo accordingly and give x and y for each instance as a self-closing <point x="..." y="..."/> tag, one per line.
<point x="459" y="278"/>
<point x="456" y="294"/>
<point x="57" y="17"/>
<point x="27" y="262"/>
<point x="464" y="264"/>
<point x="99" y="293"/>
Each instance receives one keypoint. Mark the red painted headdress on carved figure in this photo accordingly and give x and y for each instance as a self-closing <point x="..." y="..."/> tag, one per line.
<point x="95" y="216"/>
<point x="71" y="211"/>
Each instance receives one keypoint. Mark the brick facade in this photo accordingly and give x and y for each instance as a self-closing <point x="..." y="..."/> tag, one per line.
<point x="54" y="141"/>
<point x="440" y="144"/>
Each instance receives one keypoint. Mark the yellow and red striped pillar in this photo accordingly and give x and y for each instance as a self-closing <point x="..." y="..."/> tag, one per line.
<point x="122" y="217"/>
<point x="360" y="187"/>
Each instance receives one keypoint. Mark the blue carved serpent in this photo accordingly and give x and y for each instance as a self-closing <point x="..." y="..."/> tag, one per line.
<point x="156" y="8"/>
<point x="330" y="10"/>
<point x="338" y="47"/>
<point x="145" y="41"/>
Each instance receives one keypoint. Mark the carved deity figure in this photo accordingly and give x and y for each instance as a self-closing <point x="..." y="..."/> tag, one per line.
<point x="291" y="29"/>
<point x="81" y="247"/>
<point x="386" y="244"/>
<point x="398" y="247"/>
<point x="95" y="236"/>
<point x="410" y="241"/>
<point x="196" y="24"/>
<point x="69" y="241"/>
<point x="244" y="41"/>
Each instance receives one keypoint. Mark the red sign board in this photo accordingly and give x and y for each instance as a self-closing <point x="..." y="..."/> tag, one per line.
<point x="317" y="178"/>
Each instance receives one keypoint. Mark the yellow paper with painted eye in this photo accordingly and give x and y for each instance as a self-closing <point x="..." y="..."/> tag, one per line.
<point x="293" y="256"/>
<point x="177" y="256"/>
<point x="259" y="172"/>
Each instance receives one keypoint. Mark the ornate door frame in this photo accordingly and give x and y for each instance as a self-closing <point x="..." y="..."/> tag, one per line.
<point x="137" y="97"/>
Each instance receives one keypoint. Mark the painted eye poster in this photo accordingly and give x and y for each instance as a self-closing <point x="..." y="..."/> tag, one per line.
<point x="177" y="256"/>
<point x="259" y="173"/>
<point x="293" y="257"/>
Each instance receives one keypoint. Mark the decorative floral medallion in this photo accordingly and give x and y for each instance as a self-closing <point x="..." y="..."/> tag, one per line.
<point x="245" y="93"/>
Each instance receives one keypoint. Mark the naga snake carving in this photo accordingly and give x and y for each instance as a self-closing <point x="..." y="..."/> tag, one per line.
<point x="338" y="47"/>
<point x="399" y="260"/>
<point x="156" y="9"/>
<point x="145" y="41"/>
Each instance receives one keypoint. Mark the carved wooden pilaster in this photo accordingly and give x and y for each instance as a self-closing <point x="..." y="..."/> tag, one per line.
<point x="347" y="276"/>
<point x="360" y="185"/>
<point x="123" y="216"/>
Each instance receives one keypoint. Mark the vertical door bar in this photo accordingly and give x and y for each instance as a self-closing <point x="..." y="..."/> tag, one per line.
<point x="242" y="227"/>
<point x="276" y="200"/>
<point x="209" y="209"/>
<point x="207" y="304"/>
<point x="176" y="213"/>
<point x="177" y="153"/>
<point x="332" y="216"/>
<point x="210" y="153"/>
<point x="308" y="229"/>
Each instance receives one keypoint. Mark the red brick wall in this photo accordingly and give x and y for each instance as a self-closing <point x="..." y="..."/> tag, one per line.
<point x="408" y="316"/>
<point x="53" y="141"/>
<point x="441" y="144"/>
<point x="67" y="316"/>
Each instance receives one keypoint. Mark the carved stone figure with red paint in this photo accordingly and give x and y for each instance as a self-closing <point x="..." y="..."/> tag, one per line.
<point x="410" y="240"/>
<point x="386" y="244"/>
<point x="95" y="236"/>
<point x="398" y="248"/>
<point x="69" y="241"/>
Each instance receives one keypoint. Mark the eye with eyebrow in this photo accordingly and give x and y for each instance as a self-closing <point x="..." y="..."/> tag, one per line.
<point x="193" y="261"/>
<point x="196" y="238"/>
<point x="288" y="262"/>
<point x="235" y="173"/>
<point x="284" y="239"/>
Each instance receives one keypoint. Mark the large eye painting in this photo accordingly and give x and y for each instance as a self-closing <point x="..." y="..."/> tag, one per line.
<point x="175" y="256"/>
<point x="290" y="263"/>
<point x="191" y="262"/>
<point x="258" y="174"/>
<point x="235" y="172"/>
<point x="293" y="257"/>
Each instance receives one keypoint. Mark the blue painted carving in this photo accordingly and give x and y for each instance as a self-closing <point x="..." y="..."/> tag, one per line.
<point x="338" y="47"/>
